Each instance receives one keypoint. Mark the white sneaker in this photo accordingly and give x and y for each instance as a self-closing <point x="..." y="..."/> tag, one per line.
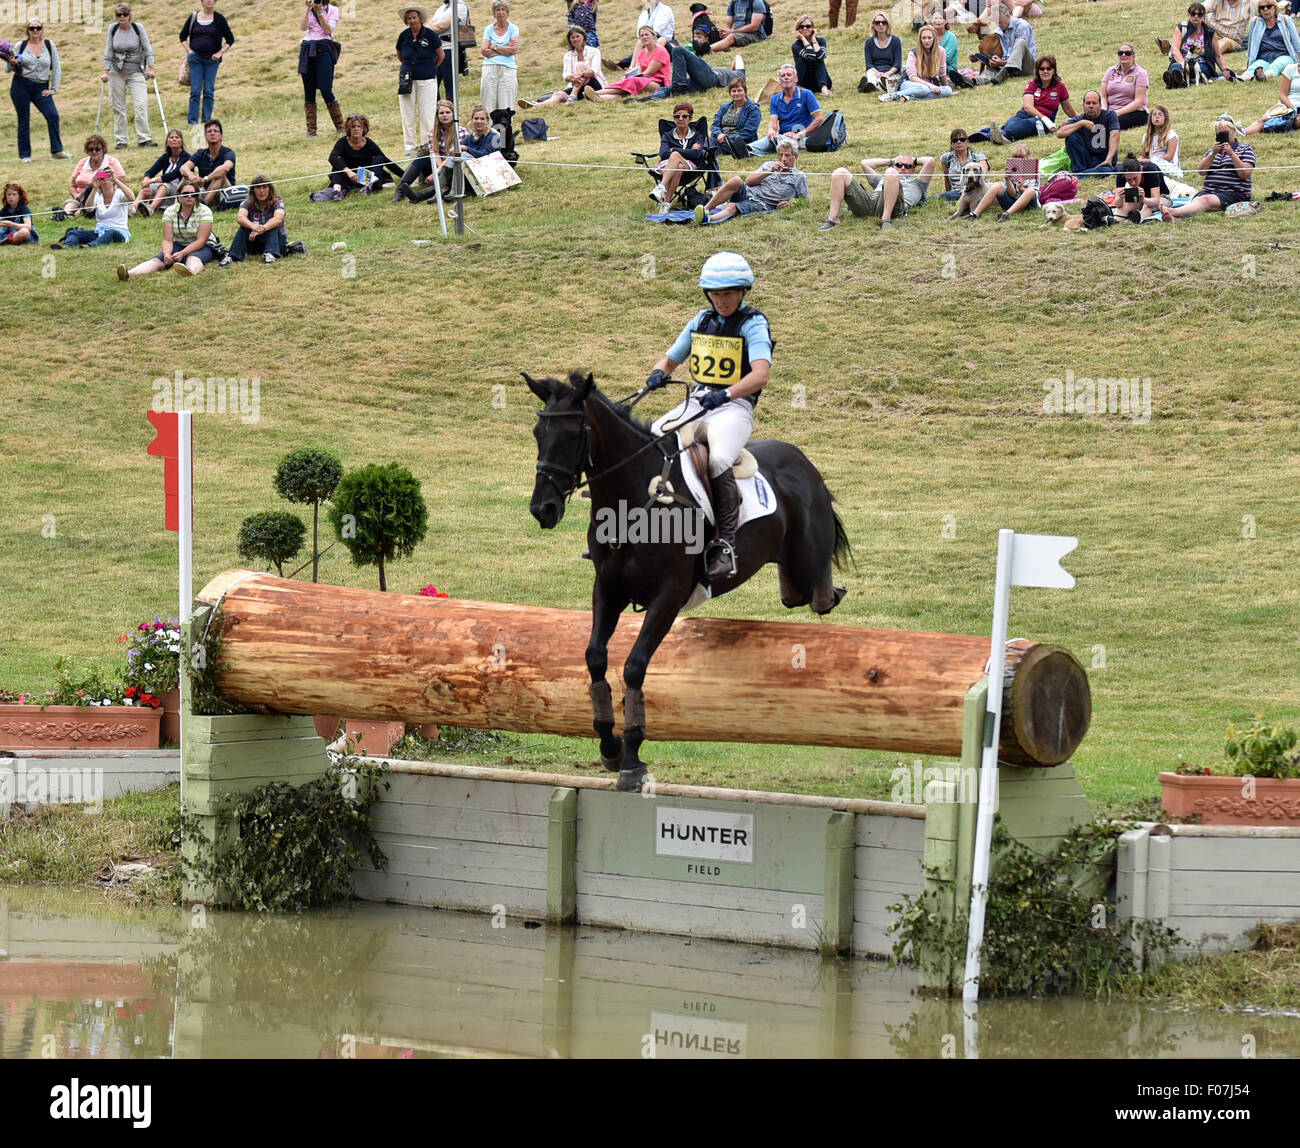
<point x="737" y="65"/>
<point x="267" y="257"/>
<point x="659" y="193"/>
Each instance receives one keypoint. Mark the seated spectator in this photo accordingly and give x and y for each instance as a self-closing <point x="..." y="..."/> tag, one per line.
<point x="582" y="14"/>
<point x="1124" y="89"/>
<point x="927" y="71"/>
<point x="213" y="167"/>
<point x="163" y="179"/>
<point x="651" y="68"/>
<point x="1160" y="144"/>
<point x="261" y="225"/>
<point x="776" y="184"/>
<point x="110" y="200"/>
<point x="810" y="57"/>
<point x="1013" y="193"/>
<point x="683" y="147"/>
<point x="581" y="67"/>
<point x="884" y="56"/>
<point x="357" y="163"/>
<point x="905" y="183"/>
<point x="947" y="39"/>
<point x="1285" y="108"/>
<point x="794" y="112"/>
<point x="691" y="73"/>
<point x="705" y="31"/>
<point x="1033" y="11"/>
<point x="1142" y="190"/>
<point x="1195" y="45"/>
<point x="16" y="216"/>
<point x="187" y="225"/>
<point x="958" y="155"/>
<point x="1229" y="19"/>
<point x="482" y="139"/>
<point x="736" y="124"/>
<point x="80" y="186"/>
<point x="1092" y="139"/>
<point x="1227" y="167"/>
<point x="1272" y="43"/>
<point x="1018" y="49"/>
<point x="744" y="25"/>
<point x="430" y="173"/>
<point x="1042" y="97"/>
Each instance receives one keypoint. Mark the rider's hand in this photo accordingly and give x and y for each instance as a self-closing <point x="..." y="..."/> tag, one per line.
<point x="711" y="399"/>
<point x="656" y="379"/>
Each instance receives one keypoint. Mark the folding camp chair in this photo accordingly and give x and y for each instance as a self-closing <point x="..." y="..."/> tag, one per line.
<point x="688" y="195"/>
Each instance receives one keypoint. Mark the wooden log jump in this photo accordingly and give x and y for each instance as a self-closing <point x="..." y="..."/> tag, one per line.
<point x="299" y="647"/>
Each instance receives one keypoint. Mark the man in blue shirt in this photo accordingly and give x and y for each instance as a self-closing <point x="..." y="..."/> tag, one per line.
<point x="744" y="25"/>
<point x="795" y="113"/>
<point x="1018" y="52"/>
<point x="213" y="167"/>
<point x="1091" y="139"/>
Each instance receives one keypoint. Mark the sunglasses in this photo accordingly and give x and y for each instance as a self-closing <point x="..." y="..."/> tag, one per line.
<point x="92" y="149"/>
<point x="903" y="165"/>
<point x="880" y="23"/>
<point x="682" y="115"/>
<point x="1124" y="52"/>
<point x="801" y="27"/>
<point x="36" y="27"/>
<point x="959" y="139"/>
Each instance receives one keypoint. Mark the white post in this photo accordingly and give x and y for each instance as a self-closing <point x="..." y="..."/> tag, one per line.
<point x="185" y="466"/>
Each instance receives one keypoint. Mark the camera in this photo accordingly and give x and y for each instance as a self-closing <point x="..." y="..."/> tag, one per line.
<point x="1132" y="194"/>
<point x="1221" y="137"/>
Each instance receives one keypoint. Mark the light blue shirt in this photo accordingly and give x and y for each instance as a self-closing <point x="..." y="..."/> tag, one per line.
<point x="500" y="42"/>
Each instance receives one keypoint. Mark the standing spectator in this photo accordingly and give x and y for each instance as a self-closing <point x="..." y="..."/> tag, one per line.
<point x="581" y="67"/>
<point x="36" y="80"/>
<point x="794" y="113"/>
<point x="261" y="225"/>
<point x="16" y="216"/>
<point x="1018" y="49"/>
<point x="850" y="13"/>
<point x="213" y="167"/>
<point x="906" y="180"/>
<point x="1272" y="43"/>
<point x="355" y="152"/>
<point x="499" y="81"/>
<point x="81" y="184"/>
<point x="927" y="71"/>
<point x="735" y="126"/>
<point x="958" y="155"/>
<point x="744" y="25"/>
<point x="1227" y="168"/>
<point x="776" y="184"/>
<point x="1230" y="19"/>
<point x="1124" y="89"/>
<point x="128" y="65"/>
<point x="1092" y="139"/>
<point x="1196" y="41"/>
<point x="186" y="227"/>
<point x="1042" y="98"/>
<point x="582" y="14"/>
<point x="810" y="57"/>
<point x="202" y="34"/>
<point x="884" y="56"/>
<point x="317" y="55"/>
<point x="163" y="179"/>
<point x="442" y="24"/>
<point x="109" y="199"/>
<point x="420" y="50"/>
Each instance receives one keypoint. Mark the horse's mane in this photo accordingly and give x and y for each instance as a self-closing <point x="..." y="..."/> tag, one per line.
<point x="577" y="379"/>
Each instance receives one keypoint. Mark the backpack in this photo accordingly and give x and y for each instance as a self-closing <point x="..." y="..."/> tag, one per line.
<point x="767" y="18"/>
<point x="1097" y="213"/>
<point x="831" y="134"/>
<point x="1059" y="188"/>
<point x="231" y="198"/>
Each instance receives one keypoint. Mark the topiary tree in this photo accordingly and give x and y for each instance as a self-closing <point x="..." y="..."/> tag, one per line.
<point x="379" y="514"/>
<point x="309" y="474"/>
<point x="275" y="535"/>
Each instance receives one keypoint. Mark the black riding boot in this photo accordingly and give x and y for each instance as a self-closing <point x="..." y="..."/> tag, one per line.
<point x="726" y="513"/>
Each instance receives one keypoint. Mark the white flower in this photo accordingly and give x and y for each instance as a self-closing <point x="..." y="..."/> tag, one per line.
<point x="148" y="665"/>
<point x="174" y="649"/>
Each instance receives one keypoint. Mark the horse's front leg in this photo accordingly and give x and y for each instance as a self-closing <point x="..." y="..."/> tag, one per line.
<point x="605" y="610"/>
<point x="659" y="619"/>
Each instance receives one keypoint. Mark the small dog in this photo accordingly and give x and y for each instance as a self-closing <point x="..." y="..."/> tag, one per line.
<point x="974" y="183"/>
<point x="1057" y="216"/>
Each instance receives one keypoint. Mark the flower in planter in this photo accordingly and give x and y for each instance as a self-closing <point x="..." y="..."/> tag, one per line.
<point x="432" y="591"/>
<point x="153" y="655"/>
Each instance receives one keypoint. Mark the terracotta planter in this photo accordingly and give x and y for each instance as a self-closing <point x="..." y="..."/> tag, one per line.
<point x="374" y="738"/>
<point x="327" y="726"/>
<point x="170" y="730"/>
<point x="428" y="730"/>
<point x="1223" y="800"/>
<point x="72" y="727"/>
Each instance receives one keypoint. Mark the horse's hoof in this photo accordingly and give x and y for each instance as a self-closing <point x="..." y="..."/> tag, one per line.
<point x="631" y="780"/>
<point x="613" y="764"/>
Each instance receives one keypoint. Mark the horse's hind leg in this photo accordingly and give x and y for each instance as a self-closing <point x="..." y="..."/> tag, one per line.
<point x="792" y="594"/>
<point x="801" y="588"/>
<point x="826" y="596"/>
<point x="604" y="619"/>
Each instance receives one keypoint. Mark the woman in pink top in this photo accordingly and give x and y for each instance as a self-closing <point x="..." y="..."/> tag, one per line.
<point x="83" y="175"/>
<point x="1124" y="89"/>
<point x="652" y="69"/>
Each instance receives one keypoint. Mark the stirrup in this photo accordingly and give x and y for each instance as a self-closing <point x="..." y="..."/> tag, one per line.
<point x="725" y="551"/>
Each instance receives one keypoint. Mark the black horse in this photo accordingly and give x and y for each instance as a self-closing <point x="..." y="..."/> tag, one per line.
<point x="580" y="431"/>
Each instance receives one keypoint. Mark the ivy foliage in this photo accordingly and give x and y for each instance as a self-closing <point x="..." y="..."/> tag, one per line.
<point x="287" y="848"/>
<point x="1045" y="930"/>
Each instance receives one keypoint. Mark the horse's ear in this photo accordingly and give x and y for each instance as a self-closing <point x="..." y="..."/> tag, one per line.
<point x="586" y="387"/>
<point x="539" y="389"/>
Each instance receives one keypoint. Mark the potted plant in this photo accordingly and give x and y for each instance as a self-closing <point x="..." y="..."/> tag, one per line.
<point x="153" y="666"/>
<point x="84" y="710"/>
<point x="1259" y="784"/>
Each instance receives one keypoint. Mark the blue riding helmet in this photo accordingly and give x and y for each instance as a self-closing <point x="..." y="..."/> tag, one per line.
<point x="726" y="269"/>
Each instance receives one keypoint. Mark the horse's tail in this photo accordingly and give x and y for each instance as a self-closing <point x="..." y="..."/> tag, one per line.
<point x="842" y="551"/>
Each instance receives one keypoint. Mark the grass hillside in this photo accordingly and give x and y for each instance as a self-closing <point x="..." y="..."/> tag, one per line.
<point x="910" y="366"/>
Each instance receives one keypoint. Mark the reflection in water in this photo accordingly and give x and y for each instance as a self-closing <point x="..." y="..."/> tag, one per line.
<point x="79" y="978"/>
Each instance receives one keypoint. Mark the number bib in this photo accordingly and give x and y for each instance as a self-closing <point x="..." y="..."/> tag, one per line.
<point x="715" y="359"/>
